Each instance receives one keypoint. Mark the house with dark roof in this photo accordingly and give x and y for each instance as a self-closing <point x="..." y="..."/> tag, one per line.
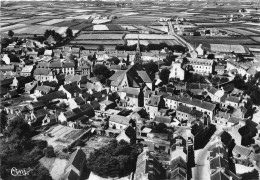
<point x="130" y="95"/>
<point x="177" y="169"/>
<point x="51" y="96"/>
<point x="75" y="165"/>
<point x="71" y="90"/>
<point x="163" y="119"/>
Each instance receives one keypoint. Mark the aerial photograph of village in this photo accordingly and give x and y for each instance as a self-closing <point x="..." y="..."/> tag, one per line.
<point x="130" y="90"/>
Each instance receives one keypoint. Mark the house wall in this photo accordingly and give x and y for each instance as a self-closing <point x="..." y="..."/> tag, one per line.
<point x="171" y="103"/>
<point x="202" y="69"/>
<point x="182" y="115"/>
<point x="117" y="125"/>
<point x="151" y="110"/>
<point x="232" y="104"/>
<point x="177" y="71"/>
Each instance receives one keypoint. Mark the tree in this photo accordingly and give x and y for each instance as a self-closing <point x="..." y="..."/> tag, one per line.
<point x="211" y="56"/>
<point x="10" y="33"/>
<point x="100" y="47"/>
<point x="18" y="127"/>
<point x="101" y="72"/>
<point x="160" y="128"/>
<point x="69" y="33"/>
<point x="3" y="120"/>
<point x="164" y="75"/>
<point x="151" y="68"/>
<point x="116" y="159"/>
<point x="49" y="152"/>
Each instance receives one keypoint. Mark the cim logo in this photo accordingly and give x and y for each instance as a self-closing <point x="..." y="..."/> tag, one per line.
<point x="20" y="172"/>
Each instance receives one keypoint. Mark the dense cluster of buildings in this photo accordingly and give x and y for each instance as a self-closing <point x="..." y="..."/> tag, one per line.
<point x="197" y="121"/>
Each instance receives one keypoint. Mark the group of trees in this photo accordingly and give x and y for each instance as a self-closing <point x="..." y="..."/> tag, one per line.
<point x="150" y="47"/>
<point x="217" y="80"/>
<point x="57" y="37"/>
<point x="101" y="72"/>
<point x="17" y="150"/>
<point x="117" y="159"/>
<point x="251" y="87"/>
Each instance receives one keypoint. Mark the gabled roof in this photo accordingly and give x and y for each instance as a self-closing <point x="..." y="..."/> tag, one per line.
<point x="154" y="100"/>
<point x="184" y="109"/>
<point x="119" y="119"/>
<point x="51" y="96"/>
<point x="72" y="88"/>
<point x="217" y="151"/>
<point x="42" y="71"/>
<point x="233" y="99"/>
<point x="219" y="162"/>
<point x="71" y="175"/>
<point x="162" y="119"/>
<point x="145" y="77"/>
<point x="77" y="159"/>
<point x="241" y="150"/>
<point x="219" y="175"/>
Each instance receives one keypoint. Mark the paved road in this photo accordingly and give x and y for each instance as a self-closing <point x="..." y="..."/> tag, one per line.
<point x="179" y="38"/>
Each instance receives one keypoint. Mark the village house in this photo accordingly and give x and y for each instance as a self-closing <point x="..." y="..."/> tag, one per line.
<point x="215" y="94"/>
<point x="153" y="104"/>
<point x="201" y="66"/>
<point x="27" y="70"/>
<point x="220" y="69"/>
<point x="232" y="101"/>
<point x="118" y="122"/>
<point x="176" y="71"/>
<point x="41" y="74"/>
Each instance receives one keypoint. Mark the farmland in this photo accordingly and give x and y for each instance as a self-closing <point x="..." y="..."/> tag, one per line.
<point x="110" y="24"/>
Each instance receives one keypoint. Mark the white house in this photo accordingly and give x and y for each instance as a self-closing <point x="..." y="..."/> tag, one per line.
<point x="118" y="122"/>
<point x="216" y="94"/>
<point x="27" y="70"/>
<point x="177" y="71"/>
<point x="201" y="66"/>
<point x="199" y="50"/>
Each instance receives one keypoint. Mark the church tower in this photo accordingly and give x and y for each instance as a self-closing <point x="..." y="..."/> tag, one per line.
<point x="138" y="54"/>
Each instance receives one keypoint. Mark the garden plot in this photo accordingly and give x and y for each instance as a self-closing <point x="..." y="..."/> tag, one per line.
<point x="227" y="48"/>
<point x="128" y="27"/>
<point x="66" y="24"/>
<point x="100" y="36"/>
<point x="51" y="22"/>
<point x="80" y="26"/>
<point x="100" y="28"/>
<point x="98" y="42"/>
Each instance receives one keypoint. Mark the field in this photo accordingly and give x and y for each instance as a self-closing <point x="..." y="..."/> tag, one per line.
<point x="12" y="27"/>
<point x="227" y="48"/>
<point x="100" y="37"/>
<point x="51" y="22"/>
<point x="148" y="36"/>
<point x="240" y="31"/>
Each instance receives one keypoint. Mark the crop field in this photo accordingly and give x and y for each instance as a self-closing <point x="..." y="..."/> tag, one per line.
<point x="100" y="21"/>
<point x="148" y="37"/>
<point x="256" y="38"/>
<point x="80" y="26"/>
<point x="98" y="42"/>
<point x="66" y="24"/>
<point x="227" y="48"/>
<point x="146" y="42"/>
<point x="51" y="22"/>
<point x="34" y="21"/>
<point x="14" y="20"/>
<point x="100" y="28"/>
<point x="100" y="36"/>
<point x="12" y="27"/>
<point x="207" y="40"/>
<point x="241" y="31"/>
<point x="40" y="30"/>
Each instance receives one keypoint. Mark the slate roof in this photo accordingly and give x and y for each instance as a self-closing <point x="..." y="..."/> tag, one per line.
<point x="71" y="175"/>
<point x="42" y="71"/>
<point x="88" y="109"/>
<point x="51" y="96"/>
<point x="213" y="90"/>
<point x="162" y="119"/>
<point x="131" y="92"/>
<point x="219" y="175"/>
<point x="41" y="113"/>
<point x="68" y="65"/>
<point x="154" y="100"/>
<point x="145" y="77"/>
<point x="72" y="88"/>
<point x="79" y="100"/>
<point x="119" y="119"/>
<point x="233" y="99"/>
<point x="195" y="102"/>
<point x="184" y="109"/>
<point x="45" y="89"/>
<point x="234" y="120"/>
<point x="219" y="162"/>
<point x="241" y="150"/>
<point x="77" y="159"/>
<point x="217" y="151"/>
